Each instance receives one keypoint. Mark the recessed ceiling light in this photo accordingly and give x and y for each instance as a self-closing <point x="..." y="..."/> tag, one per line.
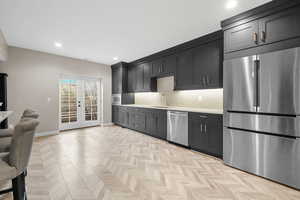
<point x="115" y="58"/>
<point x="231" y="4"/>
<point x="58" y="44"/>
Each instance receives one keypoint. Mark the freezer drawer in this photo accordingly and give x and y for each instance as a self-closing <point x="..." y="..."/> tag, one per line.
<point x="279" y="82"/>
<point x="280" y="125"/>
<point x="272" y="157"/>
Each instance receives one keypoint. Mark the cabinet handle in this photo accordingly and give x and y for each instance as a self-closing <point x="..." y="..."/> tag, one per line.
<point x="254" y="37"/>
<point x="205" y="128"/>
<point x="201" y="127"/>
<point x="263" y="36"/>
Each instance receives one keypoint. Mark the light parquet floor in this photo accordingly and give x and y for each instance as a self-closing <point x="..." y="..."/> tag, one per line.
<point x="113" y="163"/>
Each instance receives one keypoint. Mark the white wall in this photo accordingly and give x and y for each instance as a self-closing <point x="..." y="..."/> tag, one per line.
<point x="33" y="77"/>
<point x="3" y="47"/>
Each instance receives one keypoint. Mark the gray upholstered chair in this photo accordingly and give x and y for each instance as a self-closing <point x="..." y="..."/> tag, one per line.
<point x="6" y="134"/>
<point x="28" y="113"/>
<point x="14" y="163"/>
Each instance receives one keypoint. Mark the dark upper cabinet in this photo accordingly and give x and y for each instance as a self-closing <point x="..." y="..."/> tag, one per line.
<point x="139" y="78"/>
<point x="206" y="133"/>
<point x="207" y="65"/>
<point x="280" y="26"/>
<point x="164" y="66"/>
<point x="157" y="67"/>
<point x="119" y="78"/>
<point x="241" y="37"/>
<point x="274" y="22"/>
<point x="195" y="65"/>
<point x="131" y="83"/>
<point x="116" y="80"/>
<point x="169" y="66"/>
<point x="184" y="70"/>
<point x="200" y="67"/>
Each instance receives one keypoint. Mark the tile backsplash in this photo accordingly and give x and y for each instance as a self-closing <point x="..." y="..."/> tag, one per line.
<point x="210" y="98"/>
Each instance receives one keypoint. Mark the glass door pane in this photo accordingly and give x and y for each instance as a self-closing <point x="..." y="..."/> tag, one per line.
<point x="68" y="101"/>
<point x="91" y="100"/>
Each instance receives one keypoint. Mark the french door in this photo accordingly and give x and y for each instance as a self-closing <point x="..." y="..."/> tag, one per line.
<point x="80" y="102"/>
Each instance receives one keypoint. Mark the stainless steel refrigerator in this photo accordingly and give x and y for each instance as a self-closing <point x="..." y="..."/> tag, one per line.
<point x="261" y="115"/>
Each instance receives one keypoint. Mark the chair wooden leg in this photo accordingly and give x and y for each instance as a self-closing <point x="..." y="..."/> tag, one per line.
<point x="18" y="184"/>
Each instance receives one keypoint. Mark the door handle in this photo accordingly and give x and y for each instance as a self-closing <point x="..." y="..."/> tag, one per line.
<point x="207" y="79"/>
<point x="254" y="37"/>
<point x="205" y="128"/>
<point x="201" y="128"/>
<point x="263" y="36"/>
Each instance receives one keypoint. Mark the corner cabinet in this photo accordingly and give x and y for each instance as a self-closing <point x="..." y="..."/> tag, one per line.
<point x="271" y="24"/>
<point x="206" y="133"/>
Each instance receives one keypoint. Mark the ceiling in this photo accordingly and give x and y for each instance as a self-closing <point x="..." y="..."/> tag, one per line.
<point x="99" y="30"/>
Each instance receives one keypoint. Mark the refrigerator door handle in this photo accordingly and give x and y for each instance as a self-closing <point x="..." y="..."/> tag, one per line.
<point x="257" y="77"/>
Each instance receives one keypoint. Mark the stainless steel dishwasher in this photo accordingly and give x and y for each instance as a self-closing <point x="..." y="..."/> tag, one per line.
<point x="177" y="130"/>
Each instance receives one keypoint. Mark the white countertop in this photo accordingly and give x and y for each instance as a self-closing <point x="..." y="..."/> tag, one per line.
<point x="187" y="109"/>
<point x="4" y="115"/>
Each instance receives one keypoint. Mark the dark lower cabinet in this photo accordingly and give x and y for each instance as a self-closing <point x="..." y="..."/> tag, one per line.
<point x="156" y="123"/>
<point x="140" y="120"/>
<point x="115" y="114"/>
<point x="161" y="131"/>
<point x="206" y="133"/>
<point x="205" y="130"/>
<point x="150" y="121"/>
<point x="123" y="116"/>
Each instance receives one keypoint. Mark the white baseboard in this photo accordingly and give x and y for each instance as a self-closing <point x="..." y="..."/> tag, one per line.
<point x="107" y="124"/>
<point x="47" y="133"/>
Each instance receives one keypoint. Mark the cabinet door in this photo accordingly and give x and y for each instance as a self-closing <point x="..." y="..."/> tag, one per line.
<point x="115" y="114"/>
<point x="161" y="121"/>
<point x="147" y="87"/>
<point x="157" y="66"/>
<point x="169" y="65"/>
<point x="280" y="26"/>
<point x="198" y="139"/>
<point x="140" y="118"/>
<point x="122" y="116"/>
<point x="184" y="70"/>
<point x="131" y="120"/>
<point x="206" y="65"/>
<point x="131" y="79"/>
<point x="214" y="131"/>
<point x="151" y="122"/>
<point x="241" y="37"/>
<point x="115" y="80"/>
<point x="139" y="78"/>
